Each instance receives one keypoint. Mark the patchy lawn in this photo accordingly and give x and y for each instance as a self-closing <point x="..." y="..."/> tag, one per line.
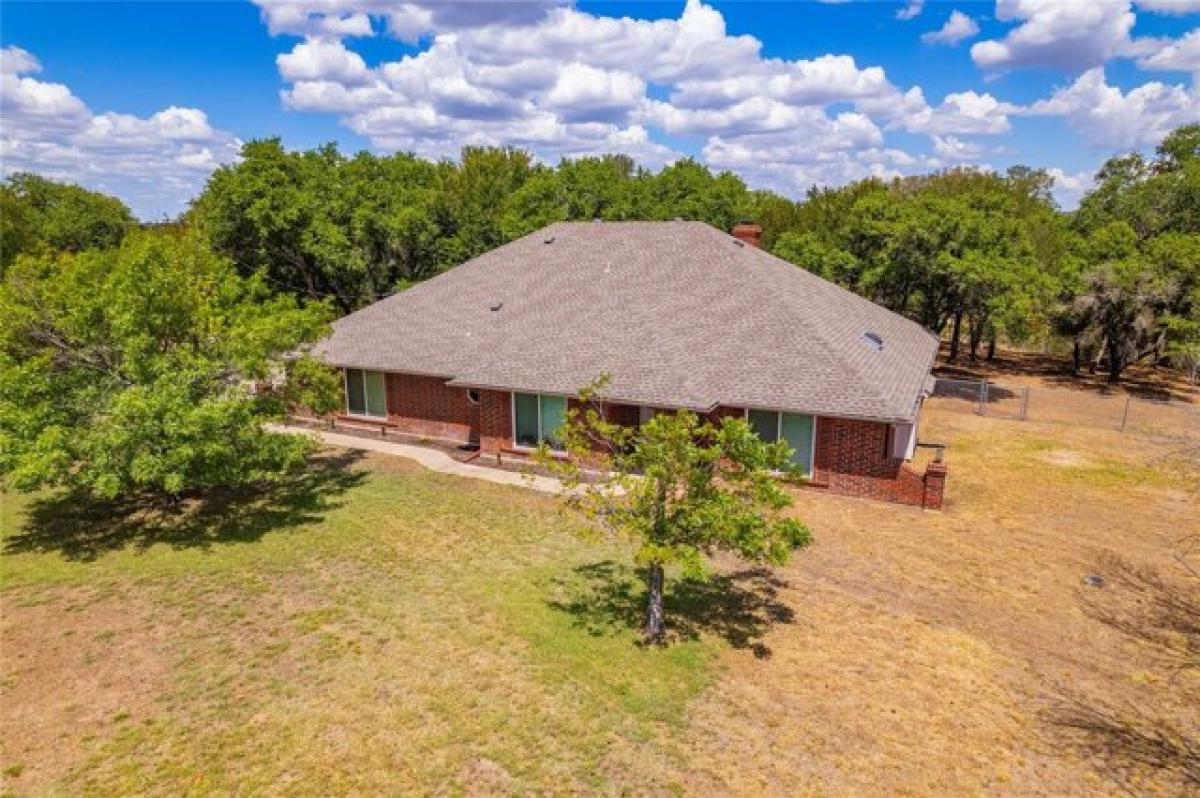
<point x="373" y="627"/>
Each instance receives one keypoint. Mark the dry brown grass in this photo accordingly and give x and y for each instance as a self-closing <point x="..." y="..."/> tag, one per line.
<point x="933" y="649"/>
<point x="416" y="633"/>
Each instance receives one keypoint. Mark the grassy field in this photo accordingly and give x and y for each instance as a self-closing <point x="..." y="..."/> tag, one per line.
<point x="374" y="627"/>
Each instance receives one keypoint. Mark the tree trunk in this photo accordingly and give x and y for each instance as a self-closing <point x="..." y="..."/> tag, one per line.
<point x="975" y="333"/>
<point x="1157" y="349"/>
<point x="1115" y="364"/>
<point x="1076" y="357"/>
<point x="991" y="350"/>
<point x="1099" y="356"/>
<point x="955" y="336"/>
<point x="654" y="606"/>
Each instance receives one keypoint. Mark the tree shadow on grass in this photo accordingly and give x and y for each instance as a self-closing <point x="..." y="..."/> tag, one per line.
<point x="607" y="598"/>
<point x="1129" y="741"/>
<point x="81" y="527"/>
<point x="1141" y="736"/>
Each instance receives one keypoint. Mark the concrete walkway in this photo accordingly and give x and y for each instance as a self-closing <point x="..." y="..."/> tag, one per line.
<point x="432" y="459"/>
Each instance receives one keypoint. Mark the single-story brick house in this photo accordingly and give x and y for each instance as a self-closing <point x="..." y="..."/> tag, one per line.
<point x="680" y="315"/>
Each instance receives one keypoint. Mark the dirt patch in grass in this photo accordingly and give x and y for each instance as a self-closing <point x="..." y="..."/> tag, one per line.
<point x="77" y="667"/>
<point x="1065" y="458"/>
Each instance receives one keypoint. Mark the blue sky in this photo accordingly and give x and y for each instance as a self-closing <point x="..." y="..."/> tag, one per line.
<point x="144" y="100"/>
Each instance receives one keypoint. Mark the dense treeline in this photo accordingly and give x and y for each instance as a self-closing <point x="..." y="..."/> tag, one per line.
<point x="38" y="216"/>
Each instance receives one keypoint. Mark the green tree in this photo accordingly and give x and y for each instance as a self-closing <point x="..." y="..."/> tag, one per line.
<point x="808" y="251"/>
<point x="130" y="371"/>
<point x="688" y="190"/>
<point x="583" y="189"/>
<point x="679" y="488"/>
<point x="37" y="214"/>
<point x="1119" y="295"/>
<point x="471" y="203"/>
<point x="319" y="225"/>
<point x="1137" y="294"/>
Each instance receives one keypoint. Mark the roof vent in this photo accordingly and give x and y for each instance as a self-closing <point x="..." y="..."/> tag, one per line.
<point x="496" y="305"/>
<point x="874" y="341"/>
<point x="549" y="240"/>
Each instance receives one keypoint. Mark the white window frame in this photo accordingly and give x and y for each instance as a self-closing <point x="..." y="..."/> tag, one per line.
<point x="512" y="407"/>
<point x="346" y="392"/>
<point x="812" y="454"/>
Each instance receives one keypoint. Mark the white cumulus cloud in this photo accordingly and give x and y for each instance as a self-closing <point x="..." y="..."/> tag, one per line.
<point x="155" y="163"/>
<point x="1070" y="34"/>
<point x="1107" y="117"/>
<point x="1175" y="55"/>
<point x="1170" y="6"/>
<point x="1069" y="188"/>
<point x="950" y="148"/>
<point x="317" y="59"/>
<point x="957" y="28"/>
<point x="561" y="81"/>
<point x="911" y="10"/>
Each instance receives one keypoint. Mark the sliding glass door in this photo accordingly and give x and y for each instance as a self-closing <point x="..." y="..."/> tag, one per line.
<point x="365" y="393"/>
<point x="536" y="417"/>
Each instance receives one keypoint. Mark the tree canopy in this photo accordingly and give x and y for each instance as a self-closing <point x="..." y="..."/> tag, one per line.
<point x="40" y="215"/>
<point x="1133" y="290"/>
<point x="128" y="370"/>
<point x="354" y="229"/>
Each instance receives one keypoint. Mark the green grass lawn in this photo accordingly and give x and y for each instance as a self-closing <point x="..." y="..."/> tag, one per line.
<point x="360" y="629"/>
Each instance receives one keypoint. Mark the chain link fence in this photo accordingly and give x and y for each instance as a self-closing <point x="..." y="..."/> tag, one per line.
<point x="1166" y="419"/>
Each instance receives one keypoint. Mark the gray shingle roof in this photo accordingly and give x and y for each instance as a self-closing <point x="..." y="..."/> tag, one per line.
<point x="679" y="313"/>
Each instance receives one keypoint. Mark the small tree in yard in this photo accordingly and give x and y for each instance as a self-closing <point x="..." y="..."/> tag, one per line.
<point x="679" y="487"/>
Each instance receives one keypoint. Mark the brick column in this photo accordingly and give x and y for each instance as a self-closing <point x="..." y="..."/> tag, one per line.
<point x="495" y="421"/>
<point x="935" y="484"/>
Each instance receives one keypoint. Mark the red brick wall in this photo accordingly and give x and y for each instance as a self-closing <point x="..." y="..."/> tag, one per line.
<point x="852" y="459"/>
<point x="428" y="406"/>
<point x="495" y="421"/>
<point x="935" y="486"/>
<point x="851" y="456"/>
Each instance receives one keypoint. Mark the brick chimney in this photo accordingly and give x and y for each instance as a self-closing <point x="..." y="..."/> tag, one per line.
<point x="749" y="233"/>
